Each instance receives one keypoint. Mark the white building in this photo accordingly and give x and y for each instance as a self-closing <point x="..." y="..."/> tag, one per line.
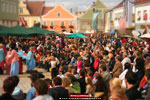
<point x="142" y="11"/>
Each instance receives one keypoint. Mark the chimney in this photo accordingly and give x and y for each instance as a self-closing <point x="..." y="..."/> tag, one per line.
<point x="71" y="10"/>
<point x="76" y="11"/>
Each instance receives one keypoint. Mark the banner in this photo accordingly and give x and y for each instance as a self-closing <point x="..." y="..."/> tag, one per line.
<point x="95" y="19"/>
<point x="122" y="25"/>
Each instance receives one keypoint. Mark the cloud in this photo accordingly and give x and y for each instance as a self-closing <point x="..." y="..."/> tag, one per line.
<point x="80" y="4"/>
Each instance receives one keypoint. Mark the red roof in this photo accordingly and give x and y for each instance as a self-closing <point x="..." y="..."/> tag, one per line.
<point x="141" y="1"/>
<point x="35" y="7"/>
<point x="119" y="5"/>
<point x="46" y="10"/>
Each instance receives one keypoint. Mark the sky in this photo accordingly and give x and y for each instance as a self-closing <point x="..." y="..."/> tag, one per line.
<point x="80" y="4"/>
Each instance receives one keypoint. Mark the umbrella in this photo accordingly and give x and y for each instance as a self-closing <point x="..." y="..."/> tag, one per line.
<point x="145" y="36"/>
<point x="76" y="35"/>
<point x="41" y="31"/>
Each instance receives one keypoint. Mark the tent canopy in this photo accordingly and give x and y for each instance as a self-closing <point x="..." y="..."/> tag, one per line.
<point x="3" y="29"/>
<point x="146" y="36"/>
<point x="76" y="35"/>
<point x="17" y="31"/>
<point x="41" y="31"/>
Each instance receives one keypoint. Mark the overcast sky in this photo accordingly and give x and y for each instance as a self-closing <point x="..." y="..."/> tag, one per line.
<point x="80" y="4"/>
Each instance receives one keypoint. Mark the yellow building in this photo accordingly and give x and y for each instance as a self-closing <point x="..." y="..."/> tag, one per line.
<point x="30" y="12"/>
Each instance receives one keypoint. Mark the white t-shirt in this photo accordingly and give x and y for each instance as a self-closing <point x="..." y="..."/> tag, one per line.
<point x="125" y="60"/>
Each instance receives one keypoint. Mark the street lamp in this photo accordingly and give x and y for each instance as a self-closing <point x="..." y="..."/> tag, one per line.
<point x="95" y="10"/>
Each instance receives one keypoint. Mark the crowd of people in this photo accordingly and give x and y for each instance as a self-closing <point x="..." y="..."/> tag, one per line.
<point x="118" y="68"/>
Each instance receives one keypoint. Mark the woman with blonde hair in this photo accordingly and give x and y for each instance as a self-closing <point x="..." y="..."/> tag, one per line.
<point x="90" y="89"/>
<point x="66" y="84"/>
<point x="118" y="93"/>
<point x="115" y="82"/>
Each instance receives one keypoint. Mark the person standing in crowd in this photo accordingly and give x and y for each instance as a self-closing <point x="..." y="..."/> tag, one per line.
<point x="132" y="90"/>
<point x="41" y="90"/>
<point x="79" y="64"/>
<point x="30" y="60"/>
<point x="17" y="93"/>
<point x="32" y="92"/>
<point x="117" y="70"/>
<point x="105" y="74"/>
<point x="118" y="93"/>
<point x="8" y="88"/>
<point x="82" y="81"/>
<point x="13" y="59"/>
<point x="90" y="88"/>
<point x="54" y="62"/>
<point x="125" y="60"/>
<point x="20" y="53"/>
<point x="66" y="84"/>
<point x="58" y="91"/>
<point x="147" y="74"/>
<point x="2" y="58"/>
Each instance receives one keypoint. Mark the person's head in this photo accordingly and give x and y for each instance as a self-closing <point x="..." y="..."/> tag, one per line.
<point x="41" y="87"/>
<point x="1" y="45"/>
<point x="65" y="82"/>
<point x="127" y="65"/>
<point x="102" y="68"/>
<point x="57" y="81"/>
<point x="33" y="78"/>
<point x="79" y="59"/>
<point x="16" y="80"/>
<point x="9" y="85"/>
<point x="118" y="93"/>
<point x="13" y="46"/>
<point x="118" y="58"/>
<point x="73" y="71"/>
<point x="147" y="74"/>
<point x="88" y="80"/>
<point x="115" y="82"/>
<point x="124" y="54"/>
<point x="48" y="81"/>
<point x="82" y="73"/>
<point x="71" y="78"/>
<point x="130" y="78"/>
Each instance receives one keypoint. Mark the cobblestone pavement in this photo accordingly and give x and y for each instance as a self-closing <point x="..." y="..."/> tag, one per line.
<point x="25" y="83"/>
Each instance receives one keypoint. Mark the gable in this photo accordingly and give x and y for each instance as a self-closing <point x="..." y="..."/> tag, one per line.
<point x="89" y="12"/>
<point x="58" y="9"/>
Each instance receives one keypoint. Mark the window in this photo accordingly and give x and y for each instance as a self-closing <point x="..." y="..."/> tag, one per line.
<point x="21" y="10"/>
<point x="34" y="22"/>
<point x="3" y="6"/>
<point x="58" y="14"/>
<point x="52" y="23"/>
<point x="71" y="23"/>
<point x="62" y="24"/>
<point x="44" y="23"/>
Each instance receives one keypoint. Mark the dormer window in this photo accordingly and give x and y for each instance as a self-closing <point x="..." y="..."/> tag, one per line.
<point x="58" y="14"/>
<point x="21" y="10"/>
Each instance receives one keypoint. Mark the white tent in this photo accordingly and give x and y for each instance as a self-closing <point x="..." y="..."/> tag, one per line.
<point x="66" y="33"/>
<point x="147" y="35"/>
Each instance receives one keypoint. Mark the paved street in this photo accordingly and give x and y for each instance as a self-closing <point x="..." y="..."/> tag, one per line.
<point x="24" y="83"/>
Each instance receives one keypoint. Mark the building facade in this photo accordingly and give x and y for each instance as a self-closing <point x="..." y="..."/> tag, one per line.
<point x="85" y="21"/>
<point x="59" y="19"/>
<point x="9" y="12"/>
<point x="30" y="12"/>
<point x="142" y="16"/>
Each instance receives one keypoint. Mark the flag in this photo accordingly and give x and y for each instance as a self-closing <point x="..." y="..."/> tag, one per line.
<point x="23" y="22"/>
<point x="95" y="23"/>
